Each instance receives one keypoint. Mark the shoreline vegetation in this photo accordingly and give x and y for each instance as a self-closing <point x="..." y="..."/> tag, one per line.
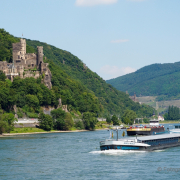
<point x="27" y="131"/>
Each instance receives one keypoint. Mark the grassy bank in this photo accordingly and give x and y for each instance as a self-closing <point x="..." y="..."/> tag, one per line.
<point x="99" y="125"/>
<point x="167" y="122"/>
<point x="27" y="130"/>
<point x="38" y="130"/>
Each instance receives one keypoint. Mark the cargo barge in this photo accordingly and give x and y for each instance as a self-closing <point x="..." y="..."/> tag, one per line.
<point x="152" y="128"/>
<point x="143" y="143"/>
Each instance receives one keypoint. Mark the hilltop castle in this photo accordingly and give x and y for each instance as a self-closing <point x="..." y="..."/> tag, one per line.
<point x="26" y="64"/>
<point x="134" y="98"/>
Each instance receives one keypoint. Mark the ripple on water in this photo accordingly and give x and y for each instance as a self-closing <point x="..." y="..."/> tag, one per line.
<point x="77" y="156"/>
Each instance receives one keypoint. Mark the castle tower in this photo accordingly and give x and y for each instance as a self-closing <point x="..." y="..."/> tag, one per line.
<point x="19" y="51"/>
<point x="39" y="55"/>
<point x="23" y="46"/>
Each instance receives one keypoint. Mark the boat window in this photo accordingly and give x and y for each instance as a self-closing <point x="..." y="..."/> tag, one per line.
<point x="177" y="127"/>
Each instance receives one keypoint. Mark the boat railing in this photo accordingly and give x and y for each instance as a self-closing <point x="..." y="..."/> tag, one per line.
<point x="125" y="140"/>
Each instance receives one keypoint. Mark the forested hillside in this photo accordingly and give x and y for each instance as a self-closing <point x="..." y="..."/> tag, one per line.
<point x="80" y="88"/>
<point x="162" y="80"/>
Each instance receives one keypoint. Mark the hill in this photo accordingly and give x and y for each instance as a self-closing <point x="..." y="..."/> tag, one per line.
<point x="79" y="88"/>
<point x="160" y="80"/>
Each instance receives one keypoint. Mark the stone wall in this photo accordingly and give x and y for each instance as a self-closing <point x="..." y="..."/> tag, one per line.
<point x="34" y="74"/>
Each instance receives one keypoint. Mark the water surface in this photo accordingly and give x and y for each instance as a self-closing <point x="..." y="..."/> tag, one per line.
<point x="77" y="156"/>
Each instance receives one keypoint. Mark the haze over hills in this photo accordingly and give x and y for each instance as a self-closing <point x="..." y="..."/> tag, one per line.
<point x="161" y="80"/>
<point x="79" y="87"/>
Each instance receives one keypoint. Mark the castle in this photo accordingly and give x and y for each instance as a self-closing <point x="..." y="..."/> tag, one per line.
<point x="26" y="64"/>
<point x="134" y="98"/>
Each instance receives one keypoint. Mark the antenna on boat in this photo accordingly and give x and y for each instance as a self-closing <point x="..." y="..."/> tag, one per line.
<point x="117" y="132"/>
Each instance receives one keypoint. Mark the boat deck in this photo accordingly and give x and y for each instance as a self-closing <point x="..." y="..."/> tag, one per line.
<point x="151" y="137"/>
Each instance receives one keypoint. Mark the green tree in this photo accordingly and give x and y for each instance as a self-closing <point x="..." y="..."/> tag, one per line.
<point x="128" y="117"/>
<point x="145" y="120"/>
<point x="10" y="119"/>
<point x="58" y="116"/>
<point x="173" y="113"/>
<point x="166" y="116"/>
<point x="33" y="102"/>
<point x="2" y="76"/>
<point x="115" y="120"/>
<point x="108" y="120"/>
<point x="68" y="121"/>
<point x="79" y="125"/>
<point x="6" y="122"/>
<point x="3" y="127"/>
<point x="45" y="121"/>
<point x="89" y="120"/>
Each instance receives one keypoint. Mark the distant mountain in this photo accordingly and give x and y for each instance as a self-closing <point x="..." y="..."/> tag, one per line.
<point x="162" y="80"/>
<point x="77" y="85"/>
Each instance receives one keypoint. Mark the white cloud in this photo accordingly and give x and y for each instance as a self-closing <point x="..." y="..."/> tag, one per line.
<point x="120" y="41"/>
<point x="109" y="72"/>
<point x="94" y="2"/>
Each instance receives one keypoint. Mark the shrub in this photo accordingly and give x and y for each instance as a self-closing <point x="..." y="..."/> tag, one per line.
<point x="32" y="115"/>
<point x="115" y="120"/>
<point x="79" y="125"/>
<point x="89" y="120"/>
<point x="45" y="121"/>
<point x="68" y="121"/>
<point x="108" y="120"/>
<point x="19" y="113"/>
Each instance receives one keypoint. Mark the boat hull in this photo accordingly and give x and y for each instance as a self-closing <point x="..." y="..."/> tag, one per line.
<point x="145" y="131"/>
<point x="143" y="143"/>
<point x="149" y="148"/>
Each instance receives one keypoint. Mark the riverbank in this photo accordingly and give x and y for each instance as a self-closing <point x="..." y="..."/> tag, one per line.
<point x="45" y="132"/>
<point x="26" y="131"/>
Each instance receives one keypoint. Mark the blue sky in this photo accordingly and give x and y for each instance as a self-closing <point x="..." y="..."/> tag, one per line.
<point x="112" y="37"/>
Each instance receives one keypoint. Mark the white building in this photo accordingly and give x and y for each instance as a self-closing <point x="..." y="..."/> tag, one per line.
<point x="160" y="118"/>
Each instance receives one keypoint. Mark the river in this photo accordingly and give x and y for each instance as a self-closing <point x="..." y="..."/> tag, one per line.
<point x="77" y="156"/>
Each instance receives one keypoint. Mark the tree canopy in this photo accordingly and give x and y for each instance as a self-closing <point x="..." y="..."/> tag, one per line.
<point x="6" y="121"/>
<point x="115" y="120"/>
<point x="173" y="113"/>
<point x="89" y="120"/>
<point x="128" y="117"/>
